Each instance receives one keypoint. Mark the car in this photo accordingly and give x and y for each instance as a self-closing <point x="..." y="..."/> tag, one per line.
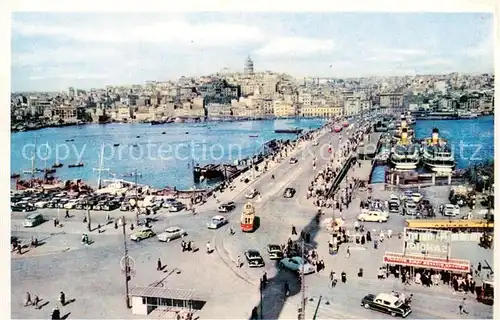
<point x="393" y="206"/>
<point x="71" y="204"/>
<point x="254" y="259"/>
<point x="226" y="207"/>
<point x="251" y="194"/>
<point x="387" y="303"/>
<point x="295" y="264"/>
<point x="416" y="197"/>
<point x="406" y="195"/>
<point x="293" y="160"/>
<point x="175" y="207"/>
<point x="289" y="193"/>
<point x="22" y="206"/>
<point x="373" y="216"/>
<point x="451" y="210"/>
<point x="168" y="202"/>
<point x="125" y="206"/>
<point x="41" y="204"/>
<point x="274" y="251"/>
<point x="216" y="222"/>
<point x="410" y="208"/>
<point x="171" y="233"/>
<point x="315" y="143"/>
<point x="142" y="234"/>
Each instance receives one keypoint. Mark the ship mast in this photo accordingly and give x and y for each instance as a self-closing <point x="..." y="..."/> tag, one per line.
<point x="100" y="168"/>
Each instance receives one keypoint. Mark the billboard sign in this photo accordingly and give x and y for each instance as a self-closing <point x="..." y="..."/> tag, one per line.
<point x="427" y="242"/>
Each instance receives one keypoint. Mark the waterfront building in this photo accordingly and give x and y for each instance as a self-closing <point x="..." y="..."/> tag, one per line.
<point x="391" y="101"/>
<point x="284" y="110"/>
<point x="67" y="113"/>
<point x="120" y="113"/>
<point x="218" y="111"/>
<point x="321" y="111"/>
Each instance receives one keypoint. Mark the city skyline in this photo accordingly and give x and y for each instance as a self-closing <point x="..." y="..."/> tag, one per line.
<point x="53" y="51"/>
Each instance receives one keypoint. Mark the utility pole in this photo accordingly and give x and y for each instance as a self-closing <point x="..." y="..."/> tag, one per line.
<point x="303" y="308"/>
<point x="317" y="307"/>
<point x="100" y="168"/>
<point x="126" y="262"/>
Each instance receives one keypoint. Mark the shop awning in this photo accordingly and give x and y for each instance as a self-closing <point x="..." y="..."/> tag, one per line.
<point x="452" y="265"/>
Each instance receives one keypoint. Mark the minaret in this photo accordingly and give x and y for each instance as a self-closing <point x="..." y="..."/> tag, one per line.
<point x="248" y="66"/>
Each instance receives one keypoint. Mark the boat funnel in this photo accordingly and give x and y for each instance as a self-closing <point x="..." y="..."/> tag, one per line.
<point x="404" y="124"/>
<point x="404" y="135"/>
<point x="435" y="136"/>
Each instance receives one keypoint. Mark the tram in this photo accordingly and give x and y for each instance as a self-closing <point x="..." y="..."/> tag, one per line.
<point x="248" y="218"/>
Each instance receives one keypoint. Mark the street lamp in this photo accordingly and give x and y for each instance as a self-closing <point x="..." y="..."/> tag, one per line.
<point x="126" y="266"/>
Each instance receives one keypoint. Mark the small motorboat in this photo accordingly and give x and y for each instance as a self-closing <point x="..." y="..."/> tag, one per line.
<point x="15" y="176"/>
<point x="70" y="140"/>
<point x="254" y="136"/>
<point x="187" y="132"/>
<point x="163" y="132"/>
<point x="135" y="145"/>
<point x="57" y="165"/>
<point x="49" y="170"/>
<point x="76" y="165"/>
<point x="116" y="145"/>
<point x="138" y="136"/>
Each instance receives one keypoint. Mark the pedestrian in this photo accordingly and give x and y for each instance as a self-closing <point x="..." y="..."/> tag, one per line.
<point x="461" y="308"/>
<point x="362" y="239"/>
<point x="264" y="280"/>
<point x="294" y="231"/>
<point x="27" y="299"/>
<point x="56" y="314"/>
<point x="255" y="313"/>
<point x="308" y="237"/>
<point x="332" y="273"/>
<point x="36" y="301"/>
<point x="375" y="244"/>
<point x="343" y="276"/>
<point x="158" y="264"/>
<point x="334" y="279"/>
<point x="287" y="288"/>
<point x="183" y="245"/>
<point x="19" y="249"/>
<point x="189" y="246"/>
<point x="368" y="236"/>
<point x="239" y="262"/>
<point x="479" y="267"/>
<point x="209" y="248"/>
<point x="67" y="214"/>
<point x="348" y="252"/>
<point x="62" y="298"/>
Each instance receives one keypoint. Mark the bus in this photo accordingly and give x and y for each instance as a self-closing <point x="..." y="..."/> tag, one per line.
<point x="455" y="225"/>
<point x="248" y="218"/>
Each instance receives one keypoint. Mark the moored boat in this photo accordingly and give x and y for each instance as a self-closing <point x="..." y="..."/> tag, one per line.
<point x="437" y="154"/>
<point x="15" y="176"/>
<point x="76" y="165"/>
<point x="57" y="165"/>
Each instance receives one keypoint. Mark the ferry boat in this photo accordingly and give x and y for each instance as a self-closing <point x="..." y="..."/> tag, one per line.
<point x="437" y="154"/>
<point x="466" y="115"/>
<point x="405" y="155"/>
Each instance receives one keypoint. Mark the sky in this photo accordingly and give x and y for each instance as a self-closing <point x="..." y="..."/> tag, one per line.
<point x="54" y="51"/>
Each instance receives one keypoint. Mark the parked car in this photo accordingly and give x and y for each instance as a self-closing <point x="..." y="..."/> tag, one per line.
<point x="110" y="205"/>
<point x="289" y="193"/>
<point x="171" y="233"/>
<point x="315" y="143"/>
<point x="252" y="194"/>
<point x="254" y="259"/>
<point x="71" y="204"/>
<point x="295" y="264"/>
<point x="406" y="195"/>
<point x="226" y="207"/>
<point x="125" y="206"/>
<point x="142" y="234"/>
<point x="394" y="206"/>
<point x="22" y="206"/>
<point x="168" y="202"/>
<point x="386" y="303"/>
<point x="274" y="251"/>
<point x="42" y="204"/>
<point x="176" y="207"/>
<point x="373" y="216"/>
<point x="216" y="222"/>
<point x="293" y="160"/>
<point x="451" y="210"/>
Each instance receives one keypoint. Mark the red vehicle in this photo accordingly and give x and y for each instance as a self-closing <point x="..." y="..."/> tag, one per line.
<point x="345" y="124"/>
<point x="337" y="129"/>
<point x="248" y="218"/>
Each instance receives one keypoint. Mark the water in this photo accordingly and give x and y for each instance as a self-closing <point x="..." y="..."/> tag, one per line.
<point x="161" y="159"/>
<point x="471" y="140"/>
